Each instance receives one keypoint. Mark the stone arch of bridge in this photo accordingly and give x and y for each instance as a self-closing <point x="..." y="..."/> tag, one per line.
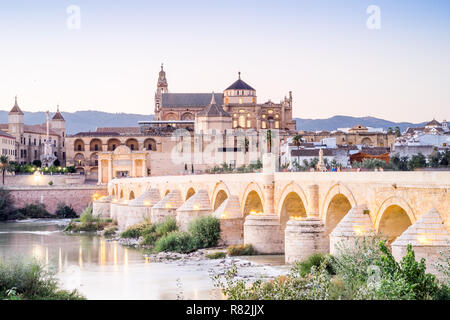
<point x="252" y="199"/>
<point x="189" y="193"/>
<point x="338" y="188"/>
<point x="220" y="194"/>
<point x="293" y="202"/>
<point x="393" y="217"/>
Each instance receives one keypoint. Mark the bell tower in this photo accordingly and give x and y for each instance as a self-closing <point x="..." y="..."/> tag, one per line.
<point x="15" y="121"/>
<point x="162" y="87"/>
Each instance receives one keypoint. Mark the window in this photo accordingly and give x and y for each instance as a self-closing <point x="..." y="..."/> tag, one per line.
<point x="79" y="147"/>
<point x="242" y="121"/>
<point x="277" y="124"/>
<point x="227" y="101"/>
<point x="114" y="147"/>
<point x="132" y="146"/>
<point x="264" y="125"/>
<point x="240" y="100"/>
<point x="96" y="147"/>
<point x="270" y="111"/>
<point x="34" y="141"/>
<point x="150" y="147"/>
<point x="249" y="124"/>
<point x="242" y="111"/>
<point x="35" y="154"/>
<point x="235" y="123"/>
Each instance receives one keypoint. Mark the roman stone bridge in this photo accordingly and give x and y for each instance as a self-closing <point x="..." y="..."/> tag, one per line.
<point x="289" y="212"/>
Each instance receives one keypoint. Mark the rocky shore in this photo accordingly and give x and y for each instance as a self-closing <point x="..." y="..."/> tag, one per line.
<point x="249" y="267"/>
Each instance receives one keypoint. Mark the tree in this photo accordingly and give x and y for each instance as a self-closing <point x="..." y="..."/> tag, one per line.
<point x="434" y="159"/>
<point x="390" y="130"/>
<point x="4" y="164"/>
<point x="398" y="133"/>
<point x="297" y="140"/>
<point x="399" y="163"/>
<point x="417" y="161"/>
<point x="269" y="140"/>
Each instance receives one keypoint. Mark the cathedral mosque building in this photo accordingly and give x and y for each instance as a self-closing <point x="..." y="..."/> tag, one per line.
<point x="239" y="100"/>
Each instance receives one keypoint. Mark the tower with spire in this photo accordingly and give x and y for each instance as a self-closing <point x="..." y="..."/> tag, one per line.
<point x="58" y="123"/>
<point x="161" y="87"/>
<point x="15" y="121"/>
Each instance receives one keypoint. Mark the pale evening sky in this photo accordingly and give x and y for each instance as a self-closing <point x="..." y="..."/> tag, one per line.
<point x="321" y="50"/>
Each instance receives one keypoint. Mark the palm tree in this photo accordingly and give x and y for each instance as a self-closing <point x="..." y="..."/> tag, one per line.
<point x="297" y="140"/>
<point x="269" y="140"/>
<point x="4" y="164"/>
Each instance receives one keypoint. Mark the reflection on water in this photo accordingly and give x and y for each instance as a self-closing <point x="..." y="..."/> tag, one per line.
<point x="101" y="269"/>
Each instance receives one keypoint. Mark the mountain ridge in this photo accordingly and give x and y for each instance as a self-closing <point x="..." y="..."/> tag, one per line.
<point x="89" y="120"/>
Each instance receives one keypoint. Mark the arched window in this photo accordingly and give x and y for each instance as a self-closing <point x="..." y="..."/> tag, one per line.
<point x="242" y="121"/>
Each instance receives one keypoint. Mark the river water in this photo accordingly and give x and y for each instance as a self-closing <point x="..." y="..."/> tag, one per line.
<point x="102" y="269"/>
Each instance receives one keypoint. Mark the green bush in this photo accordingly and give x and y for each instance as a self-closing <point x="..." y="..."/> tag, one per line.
<point x="64" y="211"/>
<point x="30" y="281"/>
<point x="205" y="231"/>
<point x="7" y="210"/>
<point x="304" y="267"/>
<point x="176" y="241"/>
<point x="136" y="230"/>
<point x="87" y="216"/>
<point x="216" y="255"/>
<point x="168" y="225"/>
<point x="241" y="250"/>
<point x="110" y="231"/>
<point x="364" y="270"/>
<point x="158" y="230"/>
<point x="34" y="211"/>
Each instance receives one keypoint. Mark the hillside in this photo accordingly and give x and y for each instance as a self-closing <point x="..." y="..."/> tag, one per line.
<point x="90" y="120"/>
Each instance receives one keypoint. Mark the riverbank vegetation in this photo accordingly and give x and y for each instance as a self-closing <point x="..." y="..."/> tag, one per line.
<point x="37" y="210"/>
<point x="241" y="250"/>
<point x="21" y="280"/>
<point x="89" y="223"/>
<point x="363" y="271"/>
<point x="165" y="236"/>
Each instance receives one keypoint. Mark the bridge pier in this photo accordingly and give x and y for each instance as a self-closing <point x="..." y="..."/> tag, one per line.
<point x="167" y="207"/>
<point x="121" y="213"/>
<point x="102" y="207"/>
<point x="140" y="208"/>
<point x="304" y="237"/>
<point x="428" y="237"/>
<point x="356" y="223"/>
<point x="195" y="207"/>
<point x="231" y="221"/>
<point x="263" y="231"/>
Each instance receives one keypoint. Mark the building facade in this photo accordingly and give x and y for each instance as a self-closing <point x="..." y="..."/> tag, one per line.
<point x="358" y="135"/>
<point x="239" y="100"/>
<point x="29" y="145"/>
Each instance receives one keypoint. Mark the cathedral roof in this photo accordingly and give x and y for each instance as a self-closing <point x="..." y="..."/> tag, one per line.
<point x="58" y="115"/>
<point x="185" y="100"/>
<point x="240" y="85"/>
<point x="213" y="110"/>
<point x="433" y="122"/>
<point x="16" y="108"/>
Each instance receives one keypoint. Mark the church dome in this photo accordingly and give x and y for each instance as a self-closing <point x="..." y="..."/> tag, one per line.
<point x="240" y="85"/>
